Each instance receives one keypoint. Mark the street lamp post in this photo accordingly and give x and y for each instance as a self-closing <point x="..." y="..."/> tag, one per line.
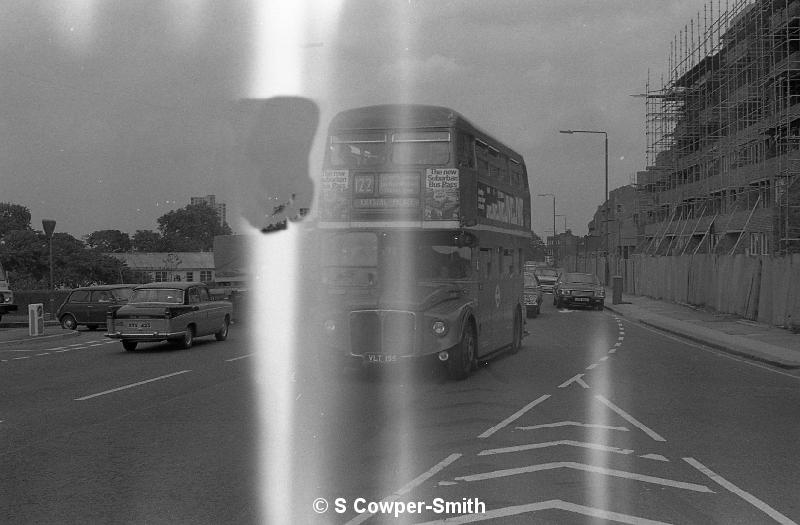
<point x="605" y="204"/>
<point x="49" y="226"/>
<point x="554" y="222"/>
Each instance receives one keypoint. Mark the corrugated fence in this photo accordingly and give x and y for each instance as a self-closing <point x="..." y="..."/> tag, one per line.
<point x="761" y="288"/>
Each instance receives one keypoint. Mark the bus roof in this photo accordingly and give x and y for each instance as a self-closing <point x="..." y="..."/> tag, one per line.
<point x="393" y="116"/>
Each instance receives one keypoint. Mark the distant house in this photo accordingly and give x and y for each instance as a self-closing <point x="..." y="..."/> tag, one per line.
<point x="145" y="267"/>
<point x="231" y="255"/>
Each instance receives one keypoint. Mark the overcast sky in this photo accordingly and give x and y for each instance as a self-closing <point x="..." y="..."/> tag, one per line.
<point x="112" y="113"/>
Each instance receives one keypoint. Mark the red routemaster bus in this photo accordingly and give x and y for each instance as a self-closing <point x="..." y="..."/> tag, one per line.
<point x="423" y="221"/>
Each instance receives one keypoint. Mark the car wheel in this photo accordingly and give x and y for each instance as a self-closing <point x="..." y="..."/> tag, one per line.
<point x="222" y="334"/>
<point x="68" y="322"/>
<point x="188" y="338"/>
<point x="600" y="305"/>
<point x="516" y="338"/>
<point x="461" y="359"/>
<point x="129" y="346"/>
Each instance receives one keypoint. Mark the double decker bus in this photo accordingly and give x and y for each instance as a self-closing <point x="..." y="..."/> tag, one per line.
<point x="423" y="221"/>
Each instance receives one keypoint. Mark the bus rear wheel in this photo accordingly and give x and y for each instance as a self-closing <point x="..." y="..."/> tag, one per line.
<point x="459" y="365"/>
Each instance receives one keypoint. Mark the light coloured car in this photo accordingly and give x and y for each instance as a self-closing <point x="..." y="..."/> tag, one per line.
<point x="547" y="278"/>
<point x="532" y="293"/>
<point x="177" y="312"/>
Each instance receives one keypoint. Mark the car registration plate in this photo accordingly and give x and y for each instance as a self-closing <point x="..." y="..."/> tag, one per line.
<point x="138" y="325"/>
<point x="582" y="299"/>
<point x="381" y="358"/>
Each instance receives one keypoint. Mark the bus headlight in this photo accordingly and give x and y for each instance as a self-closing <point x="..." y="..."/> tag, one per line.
<point x="329" y="325"/>
<point x="439" y="327"/>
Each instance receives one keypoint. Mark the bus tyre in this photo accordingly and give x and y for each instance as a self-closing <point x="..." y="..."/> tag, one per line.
<point x="462" y="358"/>
<point x="516" y="338"/>
<point x="129" y="346"/>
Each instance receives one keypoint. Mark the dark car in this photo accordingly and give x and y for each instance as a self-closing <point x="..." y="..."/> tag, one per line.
<point x="532" y="294"/>
<point x="579" y="289"/>
<point x="169" y="311"/>
<point x="547" y="278"/>
<point x="89" y="305"/>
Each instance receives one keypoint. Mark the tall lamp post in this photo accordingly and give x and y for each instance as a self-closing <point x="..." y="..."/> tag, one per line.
<point x="554" y="222"/>
<point x="605" y="204"/>
<point x="49" y="226"/>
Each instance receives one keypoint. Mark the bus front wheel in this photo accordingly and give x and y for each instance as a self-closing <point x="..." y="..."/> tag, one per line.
<point x="459" y="365"/>
<point x="516" y="338"/>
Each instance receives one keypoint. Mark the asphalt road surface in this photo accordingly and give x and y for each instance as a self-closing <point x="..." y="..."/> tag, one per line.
<point x="595" y="420"/>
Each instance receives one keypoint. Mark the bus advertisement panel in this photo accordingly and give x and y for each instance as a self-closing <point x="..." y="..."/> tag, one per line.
<point x="422" y="222"/>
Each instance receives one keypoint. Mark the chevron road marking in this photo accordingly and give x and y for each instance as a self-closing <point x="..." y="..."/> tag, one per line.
<point x="629" y="418"/>
<point x="512" y="417"/>
<point x="549" y="505"/>
<point x="586" y="468"/>
<point x="567" y="442"/>
<point x="572" y="424"/>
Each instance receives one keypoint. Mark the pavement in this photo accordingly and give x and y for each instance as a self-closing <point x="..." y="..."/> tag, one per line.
<point x="14" y="331"/>
<point x="725" y="332"/>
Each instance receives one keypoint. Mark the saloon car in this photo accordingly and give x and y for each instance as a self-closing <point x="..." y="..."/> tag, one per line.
<point x="89" y="305"/>
<point x="177" y="312"/>
<point x="579" y="289"/>
<point x="547" y="278"/>
<point x="532" y="294"/>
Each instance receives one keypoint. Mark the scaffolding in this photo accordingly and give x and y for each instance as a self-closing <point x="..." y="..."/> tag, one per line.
<point x="723" y="133"/>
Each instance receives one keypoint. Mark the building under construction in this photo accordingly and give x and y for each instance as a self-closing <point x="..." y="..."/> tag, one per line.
<point x="723" y="135"/>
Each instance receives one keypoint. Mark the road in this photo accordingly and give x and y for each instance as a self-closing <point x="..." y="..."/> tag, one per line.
<point x="595" y="420"/>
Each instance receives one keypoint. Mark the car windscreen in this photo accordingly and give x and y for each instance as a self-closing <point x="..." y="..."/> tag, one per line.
<point x="582" y="278"/>
<point x="157" y="295"/>
<point x="546" y="273"/>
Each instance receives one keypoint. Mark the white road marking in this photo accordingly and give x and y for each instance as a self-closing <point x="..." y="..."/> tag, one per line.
<point x="75" y="344"/>
<point x="604" y="358"/>
<point x="408" y="487"/>
<point x="621" y="338"/>
<point x="574" y="379"/>
<point x="573" y="424"/>
<point x="585" y="468"/>
<point x="629" y="418"/>
<point x="240" y="357"/>
<point x="592" y="366"/>
<point x="548" y="505"/>
<point x="23" y="357"/>
<point x="548" y="444"/>
<point x="657" y="457"/>
<point x="617" y="344"/>
<point x="612" y="350"/>
<point x="512" y="417"/>
<point x="131" y="385"/>
<point x="97" y="344"/>
<point x="43" y="353"/>
<point x="760" y="505"/>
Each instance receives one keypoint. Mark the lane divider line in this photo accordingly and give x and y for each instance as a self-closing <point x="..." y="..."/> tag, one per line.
<point x="516" y="415"/>
<point x="629" y="418"/>
<point x="159" y="378"/>
<point x="408" y="487"/>
<point x="757" y="503"/>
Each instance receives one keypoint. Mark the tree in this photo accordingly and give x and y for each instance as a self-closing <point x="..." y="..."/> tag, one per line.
<point x="191" y="229"/>
<point x="109" y="241"/>
<point x="26" y="257"/>
<point x="147" y="241"/>
<point x="14" y="217"/>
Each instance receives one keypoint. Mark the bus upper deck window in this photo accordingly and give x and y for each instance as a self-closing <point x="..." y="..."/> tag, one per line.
<point x="421" y="147"/>
<point x="358" y="149"/>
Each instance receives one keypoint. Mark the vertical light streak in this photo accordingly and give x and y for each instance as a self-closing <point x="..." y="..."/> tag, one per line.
<point x="281" y="33"/>
<point x="600" y="380"/>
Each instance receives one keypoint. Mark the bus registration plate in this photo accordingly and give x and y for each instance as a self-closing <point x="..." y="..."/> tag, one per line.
<point x="582" y="299"/>
<point x="381" y="358"/>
